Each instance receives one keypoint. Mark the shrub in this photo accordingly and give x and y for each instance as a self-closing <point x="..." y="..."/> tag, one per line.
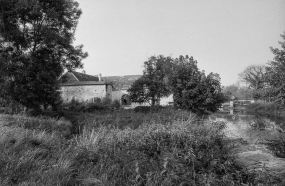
<point x="91" y="107"/>
<point x="264" y="108"/>
<point x="106" y="101"/>
<point x="116" y="104"/>
<point x="77" y="106"/>
<point x="147" y="109"/>
<point x="143" y="109"/>
<point x="13" y="107"/>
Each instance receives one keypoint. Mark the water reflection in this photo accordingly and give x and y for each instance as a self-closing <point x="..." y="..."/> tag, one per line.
<point x="244" y="116"/>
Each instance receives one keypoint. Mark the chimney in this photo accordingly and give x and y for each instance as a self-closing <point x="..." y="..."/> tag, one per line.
<point x="100" y="77"/>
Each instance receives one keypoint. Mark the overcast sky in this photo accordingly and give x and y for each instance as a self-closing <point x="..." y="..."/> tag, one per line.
<point x="224" y="36"/>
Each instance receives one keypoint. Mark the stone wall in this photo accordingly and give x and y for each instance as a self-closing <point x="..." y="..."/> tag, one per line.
<point x="109" y="90"/>
<point x="117" y="94"/>
<point x="84" y="92"/>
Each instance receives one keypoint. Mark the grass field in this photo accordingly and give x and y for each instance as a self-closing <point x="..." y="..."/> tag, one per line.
<point x="116" y="148"/>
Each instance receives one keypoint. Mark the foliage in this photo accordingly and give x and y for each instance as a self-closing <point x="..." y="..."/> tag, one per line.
<point x="107" y="101"/>
<point x="75" y="105"/>
<point x="116" y="104"/>
<point x="278" y="147"/>
<point x="138" y="92"/>
<point x="152" y="85"/>
<point x="276" y="72"/>
<point x="98" y="105"/>
<point x="240" y="92"/>
<point x="36" y="45"/>
<point x="229" y="91"/>
<point x="192" y="89"/>
<point x="269" y="109"/>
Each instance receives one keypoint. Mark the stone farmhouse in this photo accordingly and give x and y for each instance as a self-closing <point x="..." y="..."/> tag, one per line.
<point x="88" y="88"/>
<point x="83" y="87"/>
<point x="120" y="86"/>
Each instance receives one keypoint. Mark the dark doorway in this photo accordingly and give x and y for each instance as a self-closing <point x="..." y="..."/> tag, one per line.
<point x="125" y="100"/>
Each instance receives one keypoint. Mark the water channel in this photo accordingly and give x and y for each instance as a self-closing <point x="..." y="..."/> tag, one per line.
<point x="249" y="135"/>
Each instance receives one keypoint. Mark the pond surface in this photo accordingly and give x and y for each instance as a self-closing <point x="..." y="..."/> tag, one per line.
<point x="249" y="117"/>
<point x="249" y="137"/>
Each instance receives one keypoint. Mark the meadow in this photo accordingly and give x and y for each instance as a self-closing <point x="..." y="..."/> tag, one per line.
<point x="118" y="147"/>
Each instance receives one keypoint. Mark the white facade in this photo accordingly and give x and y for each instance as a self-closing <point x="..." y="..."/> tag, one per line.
<point x="85" y="92"/>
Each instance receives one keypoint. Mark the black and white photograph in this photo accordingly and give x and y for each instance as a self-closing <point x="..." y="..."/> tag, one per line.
<point x="142" y="92"/>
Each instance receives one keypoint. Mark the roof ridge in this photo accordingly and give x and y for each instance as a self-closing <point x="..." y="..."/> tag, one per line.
<point x="84" y="77"/>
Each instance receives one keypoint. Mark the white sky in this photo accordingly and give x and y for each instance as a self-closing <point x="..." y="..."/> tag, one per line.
<point x="224" y="36"/>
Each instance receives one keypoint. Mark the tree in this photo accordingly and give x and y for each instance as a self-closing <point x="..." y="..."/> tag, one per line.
<point x="138" y="91"/>
<point x="254" y="76"/>
<point x="231" y="90"/>
<point x="192" y="89"/>
<point x="276" y="72"/>
<point x="244" y="93"/>
<point x="153" y="84"/>
<point x="36" y="46"/>
<point x="240" y="92"/>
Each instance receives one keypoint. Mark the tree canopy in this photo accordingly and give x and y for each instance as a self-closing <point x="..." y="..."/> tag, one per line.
<point x="254" y="76"/>
<point x="192" y="89"/>
<point x="240" y="92"/>
<point x="153" y="84"/>
<point x="276" y="72"/>
<point x="36" y="46"/>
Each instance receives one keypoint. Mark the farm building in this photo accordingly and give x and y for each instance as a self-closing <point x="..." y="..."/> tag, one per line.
<point x="122" y="83"/>
<point x="83" y="87"/>
<point x="120" y="86"/>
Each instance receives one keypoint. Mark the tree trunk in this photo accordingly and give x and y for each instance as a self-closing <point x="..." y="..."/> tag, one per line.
<point x="152" y="101"/>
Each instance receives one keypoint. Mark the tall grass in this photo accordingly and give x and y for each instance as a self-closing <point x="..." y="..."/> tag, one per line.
<point x="59" y="126"/>
<point x="155" y="154"/>
<point x="124" y="118"/>
<point x="162" y="149"/>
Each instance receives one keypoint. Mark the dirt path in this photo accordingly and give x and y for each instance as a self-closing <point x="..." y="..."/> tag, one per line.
<point x="248" y="144"/>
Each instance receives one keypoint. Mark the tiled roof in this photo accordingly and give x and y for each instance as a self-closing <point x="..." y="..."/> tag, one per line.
<point x="84" y="77"/>
<point x="121" y="82"/>
<point x="78" y="83"/>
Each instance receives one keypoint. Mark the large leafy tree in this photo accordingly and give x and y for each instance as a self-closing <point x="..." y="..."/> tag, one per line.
<point x="192" y="89"/>
<point x="153" y="84"/>
<point x="276" y="72"/>
<point x="36" y="46"/>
